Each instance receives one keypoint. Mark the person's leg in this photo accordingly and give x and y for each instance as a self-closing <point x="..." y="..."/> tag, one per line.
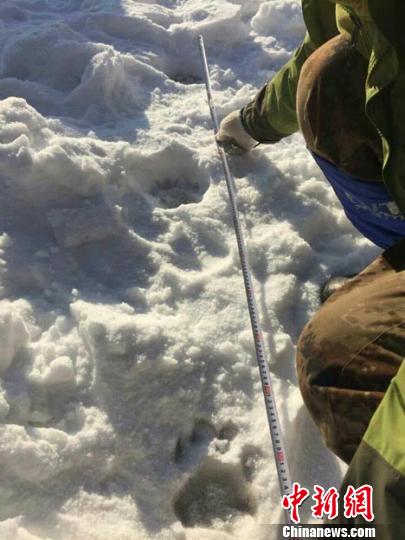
<point x="349" y="352"/>
<point x="379" y="462"/>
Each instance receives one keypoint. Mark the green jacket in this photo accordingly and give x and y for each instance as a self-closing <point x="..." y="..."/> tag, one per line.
<point x="378" y="27"/>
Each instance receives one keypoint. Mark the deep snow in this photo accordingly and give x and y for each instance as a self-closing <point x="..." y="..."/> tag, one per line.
<point x="130" y="404"/>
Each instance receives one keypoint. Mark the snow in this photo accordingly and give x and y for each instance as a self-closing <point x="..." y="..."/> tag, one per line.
<point x="130" y="404"/>
<point x="279" y="18"/>
<point x="13" y="332"/>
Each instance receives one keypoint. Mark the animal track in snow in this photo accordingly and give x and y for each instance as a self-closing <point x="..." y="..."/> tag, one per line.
<point x="173" y="175"/>
<point x="228" y="431"/>
<point x="190" y="450"/>
<point x="249" y="458"/>
<point x="214" y="490"/>
<point x="186" y="78"/>
<point x="172" y="193"/>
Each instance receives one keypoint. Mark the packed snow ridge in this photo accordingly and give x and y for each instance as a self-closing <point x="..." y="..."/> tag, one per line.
<point x="130" y="403"/>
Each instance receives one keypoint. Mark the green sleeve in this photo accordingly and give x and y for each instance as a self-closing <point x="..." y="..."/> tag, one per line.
<point x="272" y="114"/>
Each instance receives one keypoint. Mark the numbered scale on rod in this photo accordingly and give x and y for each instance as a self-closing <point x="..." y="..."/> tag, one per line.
<point x="272" y="415"/>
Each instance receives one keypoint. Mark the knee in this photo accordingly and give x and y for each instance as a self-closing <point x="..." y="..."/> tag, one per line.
<point x="340" y="406"/>
<point x="319" y="365"/>
<point x="319" y="354"/>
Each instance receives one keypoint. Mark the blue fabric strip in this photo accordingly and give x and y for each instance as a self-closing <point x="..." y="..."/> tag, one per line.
<point x="368" y="205"/>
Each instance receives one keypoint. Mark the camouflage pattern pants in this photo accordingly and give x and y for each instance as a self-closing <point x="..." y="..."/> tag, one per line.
<point x="351" y="349"/>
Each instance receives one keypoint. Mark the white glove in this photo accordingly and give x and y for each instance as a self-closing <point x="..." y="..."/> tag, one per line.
<point x="233" y="137"/>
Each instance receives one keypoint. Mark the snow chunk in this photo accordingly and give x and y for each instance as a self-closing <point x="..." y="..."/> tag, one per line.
<point x="278" y="247"/>
<point x="213" y="22"/>
<point x="42" y="164"/>
<point x="114" y="83"/>
<point x="13" y="332"/>
<point x="60" y="371"/>
<point x="4" y="406"/>
<point x="76" y="226"/>
<point x="38" y="454"/>
<point x="279" y="18"/>
<point x="114" y="331"/>
<point x="29" y="457"/>
<point x="12" y="529"/>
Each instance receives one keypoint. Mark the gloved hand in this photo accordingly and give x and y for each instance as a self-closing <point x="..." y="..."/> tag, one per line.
<point x="233" y="137"/>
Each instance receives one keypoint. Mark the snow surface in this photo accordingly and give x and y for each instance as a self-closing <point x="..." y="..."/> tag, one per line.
<point x="130" y="404"/>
